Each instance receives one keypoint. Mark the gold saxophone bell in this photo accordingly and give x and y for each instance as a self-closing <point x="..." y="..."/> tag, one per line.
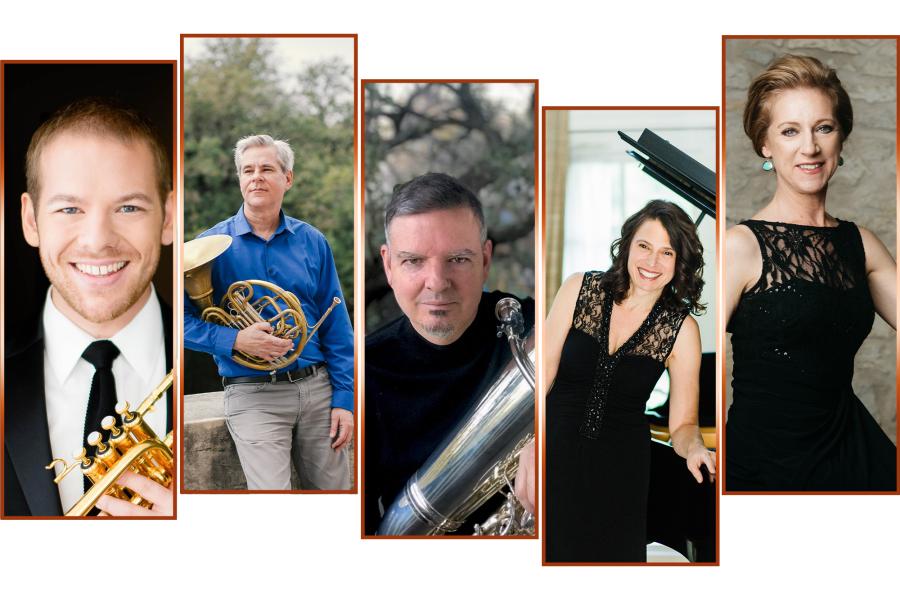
<point x="131" y="445"/>
<point x="279" y="308"/>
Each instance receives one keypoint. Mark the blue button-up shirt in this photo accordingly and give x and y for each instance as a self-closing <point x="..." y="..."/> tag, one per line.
<point x="298" y="259"/>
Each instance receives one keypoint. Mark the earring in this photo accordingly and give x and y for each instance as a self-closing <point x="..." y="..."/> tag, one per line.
<point x="767" y="165"/>
<point x="840" y="161"/>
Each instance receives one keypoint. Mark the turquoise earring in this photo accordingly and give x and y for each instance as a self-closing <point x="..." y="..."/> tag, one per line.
<point x="767" y="165"/>
<point x="840" y="161"/>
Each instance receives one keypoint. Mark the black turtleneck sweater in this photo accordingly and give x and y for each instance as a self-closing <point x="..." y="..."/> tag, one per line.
<point x="416" y="392"/>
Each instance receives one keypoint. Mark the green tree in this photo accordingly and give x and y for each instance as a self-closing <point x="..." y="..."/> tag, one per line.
<point x="235" y="89"/>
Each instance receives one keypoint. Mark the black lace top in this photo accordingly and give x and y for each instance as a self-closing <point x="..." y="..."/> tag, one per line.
<point x="830" y="256"/>
<point x="654" y="340"/>
<point x="598" y="437"/>
<point x="794" y="422"/>
<point x="809" y="311"/>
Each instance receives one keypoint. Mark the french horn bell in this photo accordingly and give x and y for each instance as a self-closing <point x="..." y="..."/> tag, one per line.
<point x="238" y="309"/>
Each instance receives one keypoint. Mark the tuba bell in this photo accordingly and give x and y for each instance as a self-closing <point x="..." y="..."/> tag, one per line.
<point x="131" y="445"/>
<point x="238" y="309"/>
<point x="479" y="457"/>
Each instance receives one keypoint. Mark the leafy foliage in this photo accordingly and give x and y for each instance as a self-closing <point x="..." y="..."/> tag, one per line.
<point x="235" y="89"/>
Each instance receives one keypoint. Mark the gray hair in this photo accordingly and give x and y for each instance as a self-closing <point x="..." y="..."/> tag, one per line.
<point x="428" y="193"/>
<point x="282" y="149"/>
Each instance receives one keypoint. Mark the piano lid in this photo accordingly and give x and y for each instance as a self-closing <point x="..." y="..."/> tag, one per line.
<point x="675" y="170"/>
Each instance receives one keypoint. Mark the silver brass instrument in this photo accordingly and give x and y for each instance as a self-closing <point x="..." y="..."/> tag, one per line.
<point x="279" y="308"/>
<point x="479" y="457"/>
<point x="131" y="445"/>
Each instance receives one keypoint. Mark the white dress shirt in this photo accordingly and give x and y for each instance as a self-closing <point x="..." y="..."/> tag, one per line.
<point x="138" y="369"/>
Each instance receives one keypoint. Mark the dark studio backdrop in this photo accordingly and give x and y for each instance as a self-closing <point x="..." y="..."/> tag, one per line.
<point x="32" y="92"/>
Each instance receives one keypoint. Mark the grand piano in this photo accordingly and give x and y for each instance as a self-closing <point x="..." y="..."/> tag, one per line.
<point x="682" y="514"/>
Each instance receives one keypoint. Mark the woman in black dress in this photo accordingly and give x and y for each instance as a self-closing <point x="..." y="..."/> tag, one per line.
<point x="607" y="340"/>
<point x="801" y="290"/>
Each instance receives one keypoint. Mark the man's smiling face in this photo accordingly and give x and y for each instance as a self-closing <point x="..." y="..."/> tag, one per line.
<point x="98" y="224"/>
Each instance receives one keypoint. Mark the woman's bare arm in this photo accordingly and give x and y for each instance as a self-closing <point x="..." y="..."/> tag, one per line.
<point x="881" y="272"/>
<point x="743" y="265"/>
<point x="684" y="400"/>
<point x="557" y="326"/>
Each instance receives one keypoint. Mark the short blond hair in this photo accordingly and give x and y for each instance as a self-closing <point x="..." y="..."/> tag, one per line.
<point x="790" y="72"/>
<point x="98" y="116"/>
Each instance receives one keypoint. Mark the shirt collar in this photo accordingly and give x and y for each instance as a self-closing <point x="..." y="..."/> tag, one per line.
<point x="242" y="226"/>
<point x="138" y="342"/>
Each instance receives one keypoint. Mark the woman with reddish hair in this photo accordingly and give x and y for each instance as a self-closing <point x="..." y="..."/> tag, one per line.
<point x="801" y="291"/>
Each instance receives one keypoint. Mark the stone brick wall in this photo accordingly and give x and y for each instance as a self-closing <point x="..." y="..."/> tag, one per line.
<point x="863" y="190"/>
<point x="210" y="458"/>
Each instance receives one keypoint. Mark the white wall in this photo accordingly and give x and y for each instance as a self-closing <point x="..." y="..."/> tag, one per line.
<point x="605" y="186"/>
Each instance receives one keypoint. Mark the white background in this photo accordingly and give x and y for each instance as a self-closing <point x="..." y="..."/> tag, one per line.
<point x="591" y="53"/>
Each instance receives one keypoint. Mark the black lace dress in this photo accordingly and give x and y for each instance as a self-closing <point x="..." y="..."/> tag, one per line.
<point x="598" y="439"/>
<point x="795" y="423"/>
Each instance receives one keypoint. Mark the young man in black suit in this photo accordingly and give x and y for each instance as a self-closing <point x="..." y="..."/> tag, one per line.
<point x="99" y="205"/>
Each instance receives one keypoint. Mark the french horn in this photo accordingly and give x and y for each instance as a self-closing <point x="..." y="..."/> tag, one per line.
<point x="131" y="445"/>
<point x="479" y="457"/>
<point x="238" y="309"/>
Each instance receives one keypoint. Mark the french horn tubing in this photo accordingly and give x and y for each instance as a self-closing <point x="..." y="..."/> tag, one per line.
<point x="130" y="445"/>
<point x="479" y="457"/>
<point x="238" y="309"/>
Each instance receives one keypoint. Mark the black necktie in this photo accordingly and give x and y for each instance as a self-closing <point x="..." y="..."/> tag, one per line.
<point x="102" y="400"/>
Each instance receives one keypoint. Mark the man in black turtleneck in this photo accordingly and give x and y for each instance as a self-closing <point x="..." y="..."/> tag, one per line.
<point x="425" y="369"/>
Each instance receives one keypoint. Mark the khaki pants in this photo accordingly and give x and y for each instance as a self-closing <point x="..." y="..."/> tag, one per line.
<point x="273" y="424"/>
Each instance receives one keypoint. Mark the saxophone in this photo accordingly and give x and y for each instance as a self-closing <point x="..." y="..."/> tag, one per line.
<point x="479" y="457"/>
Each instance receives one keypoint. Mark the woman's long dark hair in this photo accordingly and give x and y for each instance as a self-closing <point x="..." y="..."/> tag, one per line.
<point x="683" y="292"/>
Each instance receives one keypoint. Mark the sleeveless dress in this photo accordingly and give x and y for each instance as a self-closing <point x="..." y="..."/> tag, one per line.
<point x="795" y="423"/>
<point x="598" y="439"/>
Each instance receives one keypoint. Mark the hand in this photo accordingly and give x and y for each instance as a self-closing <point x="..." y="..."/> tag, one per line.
<point x="342" y="427"/>
<point x="524" y="484"/>
<point x="162" y="498"/>
<point x="256" y="340"/>
<point x="699" y="456"/>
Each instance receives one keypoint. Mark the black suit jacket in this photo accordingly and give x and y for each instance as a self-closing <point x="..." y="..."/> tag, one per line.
<point x="28" y="488"/>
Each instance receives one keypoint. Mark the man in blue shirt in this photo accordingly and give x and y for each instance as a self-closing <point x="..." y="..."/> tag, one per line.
<point x="302" y="412"/>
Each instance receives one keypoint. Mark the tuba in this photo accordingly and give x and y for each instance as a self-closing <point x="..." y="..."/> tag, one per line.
<point x="278" y="307"/>
<point x="479" y="457"/>
<point x="131" y="445"/>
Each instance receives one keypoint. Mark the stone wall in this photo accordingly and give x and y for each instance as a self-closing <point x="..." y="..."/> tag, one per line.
<point x="210" y="458"/>
<point x="863" y="190"/>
